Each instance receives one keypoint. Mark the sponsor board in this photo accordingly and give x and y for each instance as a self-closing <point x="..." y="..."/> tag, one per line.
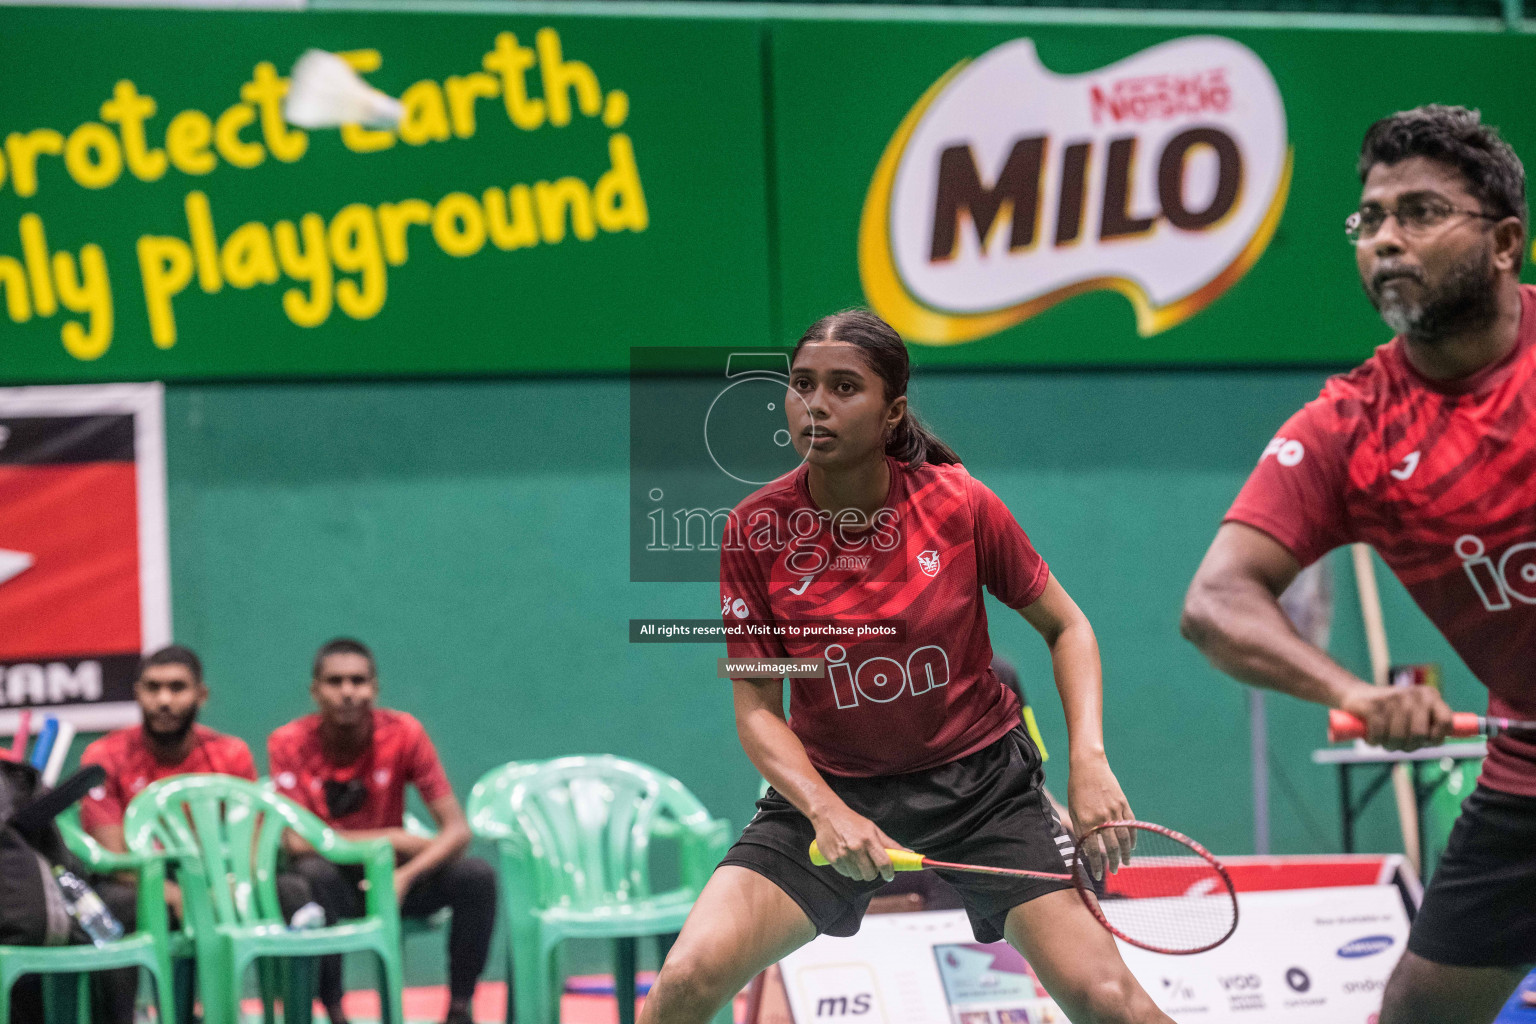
<point x="84" y="578"/>
<point x="1297" y="955"/>
<point x="1280" y="967"/>
<point x="1009" y="188"/>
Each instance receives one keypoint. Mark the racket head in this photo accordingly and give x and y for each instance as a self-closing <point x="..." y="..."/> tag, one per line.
<point x="1173" y="897"/>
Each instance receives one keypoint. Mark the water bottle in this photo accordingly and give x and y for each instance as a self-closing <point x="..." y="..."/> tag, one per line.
<point x="86" y="907"/>
<point x="310" y="915"/>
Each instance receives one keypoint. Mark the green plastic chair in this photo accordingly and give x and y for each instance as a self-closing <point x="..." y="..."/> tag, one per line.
<point x="415" y="826"/>
<point x="225" y="834"/>
<point x="67" y="969"/>
<point x="573" y="836"/>
<point x="1452" y="786"/>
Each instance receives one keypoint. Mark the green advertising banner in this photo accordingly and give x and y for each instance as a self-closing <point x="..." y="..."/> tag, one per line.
<point x="563" y="190"/>
<point x="558" y="191"/>
<point x="1094" y="195"/>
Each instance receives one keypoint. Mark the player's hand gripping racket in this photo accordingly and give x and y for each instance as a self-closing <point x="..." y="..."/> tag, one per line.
<point x="1172" y="897"/>
<point x="1344" y="726"/>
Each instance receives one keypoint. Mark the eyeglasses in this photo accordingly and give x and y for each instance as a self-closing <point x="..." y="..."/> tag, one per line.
<point x="1415" y="214"/>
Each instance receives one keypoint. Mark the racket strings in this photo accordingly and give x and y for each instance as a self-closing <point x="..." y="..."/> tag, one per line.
<point x="1168" y="898"/>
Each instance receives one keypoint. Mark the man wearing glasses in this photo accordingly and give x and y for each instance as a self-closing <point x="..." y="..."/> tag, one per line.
<point x="1427" y="452"/>
<point x="350" y="764"/>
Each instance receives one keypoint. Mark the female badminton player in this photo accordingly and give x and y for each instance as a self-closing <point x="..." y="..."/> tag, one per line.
<point x="906" y="741"/>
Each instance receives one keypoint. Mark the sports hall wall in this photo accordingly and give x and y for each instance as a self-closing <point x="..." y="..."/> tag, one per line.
<point x="435" y="457"/>
<point x="472" y="533"/>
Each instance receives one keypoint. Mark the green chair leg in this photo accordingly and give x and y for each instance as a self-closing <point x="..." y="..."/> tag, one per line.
<point x="299" y="990"/>
<point x="391" y="984"/>
<point x="61" y="998"/>
<point x="624" y="978"/>
<point x="511" y="996"/>
<point x="269" y="984"/>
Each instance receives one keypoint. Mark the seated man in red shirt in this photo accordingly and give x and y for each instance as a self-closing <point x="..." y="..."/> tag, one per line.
<point x="349" y="764"/>
<point x="170" y="692"/>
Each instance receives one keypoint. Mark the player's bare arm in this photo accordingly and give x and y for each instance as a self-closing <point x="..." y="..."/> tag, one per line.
<point x="452" y="839"/>
<point x="855" y="845"/>
<point x="1093" y="793"/>
<point x="1232" y="613"/>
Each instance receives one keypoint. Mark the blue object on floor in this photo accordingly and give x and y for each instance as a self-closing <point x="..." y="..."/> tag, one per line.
<point x="1515" y="1011"/>
<point x="602" y="985"/>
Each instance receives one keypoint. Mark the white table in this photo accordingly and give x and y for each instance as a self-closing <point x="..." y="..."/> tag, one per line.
<point x="1362" y="755"/>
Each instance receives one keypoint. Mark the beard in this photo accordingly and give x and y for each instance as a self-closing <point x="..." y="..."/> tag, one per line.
<point x="176" y="733"/>
<point x="1466" y="299"/>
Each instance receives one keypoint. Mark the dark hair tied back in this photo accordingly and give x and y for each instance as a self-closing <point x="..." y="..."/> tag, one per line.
<point x="886" y="355"/>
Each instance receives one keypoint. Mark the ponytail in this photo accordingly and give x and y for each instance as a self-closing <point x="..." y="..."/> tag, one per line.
<point x="886" y="354"/>
<point x="915" y="444"/>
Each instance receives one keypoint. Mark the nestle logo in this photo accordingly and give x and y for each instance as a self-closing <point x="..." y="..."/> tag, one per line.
<point x="1162" y="96"/>
<point x="1368" y="945"/>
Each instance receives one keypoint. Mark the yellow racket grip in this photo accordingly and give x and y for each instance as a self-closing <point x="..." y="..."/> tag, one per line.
<point x="901" y="860"/>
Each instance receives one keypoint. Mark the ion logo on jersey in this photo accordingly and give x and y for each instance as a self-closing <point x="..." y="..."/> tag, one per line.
<point x="1514" y="576"/>
<point x="1009" y="188"/>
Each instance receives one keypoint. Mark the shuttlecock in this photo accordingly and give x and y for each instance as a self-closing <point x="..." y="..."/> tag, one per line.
<point x="324" y="92"/>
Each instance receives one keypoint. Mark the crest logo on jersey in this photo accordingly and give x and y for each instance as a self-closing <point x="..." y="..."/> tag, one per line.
<point x="928" y="561"/>
<point x="1513" y="578"/>
<point x="736" y="607"/>
<point x="1009" y="188"/>
<point x="1410" y="463"/>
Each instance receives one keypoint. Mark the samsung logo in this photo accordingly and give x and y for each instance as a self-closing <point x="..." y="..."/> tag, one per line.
<point x="1369" y="945"/>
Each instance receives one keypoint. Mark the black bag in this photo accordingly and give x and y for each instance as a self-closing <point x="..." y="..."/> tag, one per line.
<point x="32" y="911"/>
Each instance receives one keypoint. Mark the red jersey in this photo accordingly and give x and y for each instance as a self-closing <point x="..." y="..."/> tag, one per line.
<point x="400" y="753"/>
<point x="1437" y="476"/>
<point x="885" y="706"/>
<point x="131" y="765"/>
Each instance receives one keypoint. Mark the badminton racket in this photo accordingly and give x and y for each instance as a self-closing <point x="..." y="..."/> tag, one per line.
<point x="1171" y="897"/>
<point x="1344" y="726"/>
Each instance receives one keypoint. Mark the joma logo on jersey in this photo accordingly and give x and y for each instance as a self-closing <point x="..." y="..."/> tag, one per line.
<point x="882" y="680"/>
<point x="1512" y="579"/>
<point x="1287" y="451"/>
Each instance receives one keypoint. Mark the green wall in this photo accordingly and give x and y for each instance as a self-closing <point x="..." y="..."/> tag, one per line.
<point x="475" y="535"/>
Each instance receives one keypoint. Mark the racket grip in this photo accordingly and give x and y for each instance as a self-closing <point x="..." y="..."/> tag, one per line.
<point x="901" y="860"/>
<point x="1344" y="726"/>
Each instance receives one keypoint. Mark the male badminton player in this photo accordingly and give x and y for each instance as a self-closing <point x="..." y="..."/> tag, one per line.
<point x="1427" y="452"/>
<point x="904" y="742"/>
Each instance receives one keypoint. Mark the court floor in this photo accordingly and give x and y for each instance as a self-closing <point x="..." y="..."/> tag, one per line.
<point x="428" y="1005"/>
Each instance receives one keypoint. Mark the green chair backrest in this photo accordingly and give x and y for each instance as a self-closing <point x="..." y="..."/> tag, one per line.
<point x="225" y="834"/>
<point x="584" y="823"/>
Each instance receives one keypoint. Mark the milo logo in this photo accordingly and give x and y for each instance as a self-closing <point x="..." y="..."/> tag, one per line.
<point x="1009" y="188"/>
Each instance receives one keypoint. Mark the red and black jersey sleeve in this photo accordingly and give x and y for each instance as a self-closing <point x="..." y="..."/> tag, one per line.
<point x="744" y="595"/>
<point x="106" y="803"/>
<point x="419" y="763"/>
<point x="1006" y="562"/>
<point x="1296" y="493"/>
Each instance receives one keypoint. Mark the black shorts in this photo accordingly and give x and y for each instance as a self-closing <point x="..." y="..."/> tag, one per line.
<point x="1480" y="907"/>
<point x="986" y="808"/>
